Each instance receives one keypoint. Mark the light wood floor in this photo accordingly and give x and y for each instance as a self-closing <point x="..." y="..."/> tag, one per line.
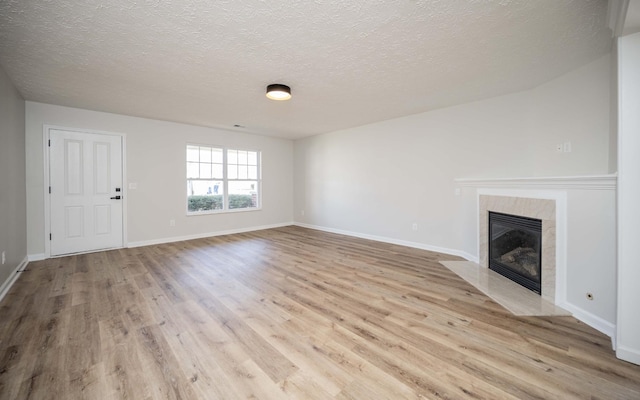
<point x="286" y="313"/>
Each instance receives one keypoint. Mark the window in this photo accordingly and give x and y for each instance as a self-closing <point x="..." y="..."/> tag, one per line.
<point x="221" y="179"/>
<point x="242" y="174"/>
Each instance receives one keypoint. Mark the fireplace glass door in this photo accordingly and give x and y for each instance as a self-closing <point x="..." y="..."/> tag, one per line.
<point x="515" y="248"/>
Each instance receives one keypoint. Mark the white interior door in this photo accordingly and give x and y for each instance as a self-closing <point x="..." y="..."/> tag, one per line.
<point x="86" y="191"/>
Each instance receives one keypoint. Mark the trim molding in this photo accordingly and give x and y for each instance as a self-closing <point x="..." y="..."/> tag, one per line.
<point x="4" y="289"/>
<point x="205" y="235"/>
<point x="588" y="182"/>
<point x="36" y="257"/>
<point x="385" y="239"/>
<point x="593" y="321"/>
<point x="628" y="354"/>
<point x="46" y="128"/>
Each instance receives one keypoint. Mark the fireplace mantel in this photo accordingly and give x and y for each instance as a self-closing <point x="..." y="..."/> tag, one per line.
<point x="588" y="182"/>
<point x="584" y="219"/>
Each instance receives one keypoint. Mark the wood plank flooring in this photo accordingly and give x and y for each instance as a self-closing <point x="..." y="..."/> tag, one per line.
<point x="287" y="313"/>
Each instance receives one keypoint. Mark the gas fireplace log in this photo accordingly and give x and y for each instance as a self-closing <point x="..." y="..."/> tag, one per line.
<point x="522" y="258"/>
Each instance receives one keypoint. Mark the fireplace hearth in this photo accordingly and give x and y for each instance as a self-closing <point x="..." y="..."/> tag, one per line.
<point x="515" y="249"/>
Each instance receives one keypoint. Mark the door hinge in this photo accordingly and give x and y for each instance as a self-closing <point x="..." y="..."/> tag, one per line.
<point x="49" y="236"/>
<point x="49" y="142"/>
<point x="49" y="189"/>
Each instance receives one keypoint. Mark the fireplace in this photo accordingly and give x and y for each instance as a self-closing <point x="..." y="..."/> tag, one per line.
<point x="515" y="245"/>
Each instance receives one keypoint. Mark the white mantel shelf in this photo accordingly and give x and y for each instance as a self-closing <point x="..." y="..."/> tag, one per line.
<point x="591" y="201"/>
<point x="588" y="182"/>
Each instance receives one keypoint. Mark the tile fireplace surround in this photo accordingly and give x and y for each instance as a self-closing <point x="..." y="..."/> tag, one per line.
<point x="578" y="215"/>
<point x="542" y="209"/>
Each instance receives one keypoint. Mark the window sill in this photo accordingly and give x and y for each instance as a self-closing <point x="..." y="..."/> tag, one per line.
<point x="214" y="212"/>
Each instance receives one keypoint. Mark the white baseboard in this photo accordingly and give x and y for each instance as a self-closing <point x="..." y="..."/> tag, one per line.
<point x="627" y="354"/>
<point x="36" y="257"/>
<point x="4" y="289"/>
<point x="205" y="235"/>
<point x="385" y="239"/>
<point x="593" y="321"/>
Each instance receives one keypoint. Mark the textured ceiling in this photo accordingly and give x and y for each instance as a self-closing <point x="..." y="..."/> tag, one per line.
<point x="348" y="62"/>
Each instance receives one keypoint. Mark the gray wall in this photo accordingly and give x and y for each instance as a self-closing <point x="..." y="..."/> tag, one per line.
<point x="13" y="214"/>
<point x="379" y="180"/>
<point x="155" y="161"/>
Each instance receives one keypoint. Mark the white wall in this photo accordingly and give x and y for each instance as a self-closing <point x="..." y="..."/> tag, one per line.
<point x="155" y="161"/>
<point x="380" y="178"/>
<point x="585" y="237"/>
<point x="13" y="217"/>
<point x="574" y="108"/>
<point x="591" y="257"/>
<point x="629" y="198"/>
<point x="377" y="180"/>
<point x="613" y="107"/>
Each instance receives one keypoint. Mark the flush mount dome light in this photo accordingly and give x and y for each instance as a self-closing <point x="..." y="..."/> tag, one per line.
<point x="278" y="91"/>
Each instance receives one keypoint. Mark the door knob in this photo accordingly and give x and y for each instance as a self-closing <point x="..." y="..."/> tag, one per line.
<point x="115" y="198"/>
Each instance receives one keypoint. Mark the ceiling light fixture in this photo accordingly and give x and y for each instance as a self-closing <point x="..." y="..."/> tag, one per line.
<point x="278" y="91"/>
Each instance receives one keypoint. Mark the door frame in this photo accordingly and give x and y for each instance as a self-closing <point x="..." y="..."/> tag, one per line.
<point x="45" y="189"/>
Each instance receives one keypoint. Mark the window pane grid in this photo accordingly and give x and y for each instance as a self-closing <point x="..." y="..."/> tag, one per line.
<point x="209" y="190"/>
<point x="204" y="162"/>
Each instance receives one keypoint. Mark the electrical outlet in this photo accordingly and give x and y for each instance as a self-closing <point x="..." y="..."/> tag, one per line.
<point x="458" y="192"/>
<point x="302" y="213"/>
<point x="172" y="222"/>
<point x="4" y="257"/>
<point x="567" y="147"/>
<point x="414" y="227"/>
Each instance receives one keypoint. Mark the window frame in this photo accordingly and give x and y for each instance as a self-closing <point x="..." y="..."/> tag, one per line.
<point x="225" y="180"/>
